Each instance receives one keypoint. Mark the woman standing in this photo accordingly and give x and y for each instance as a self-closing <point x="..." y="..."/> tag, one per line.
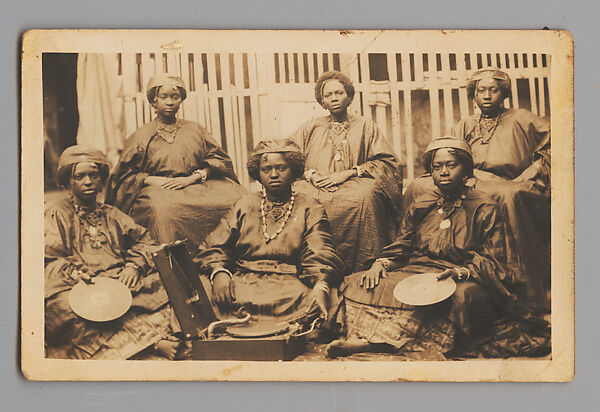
<point x="352" y="171"/>
<point x="172" y="177"/>
<point x="455" y="231"/>
<point x="511" y="153"/>
<point x="84" y="240"/>
<point x="272" y="253"/>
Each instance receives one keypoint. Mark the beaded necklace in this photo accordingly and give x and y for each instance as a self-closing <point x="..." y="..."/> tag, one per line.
<point x="339" y="130"/>
<point x="447" y="209"/>
<point x="275" y="205"/>
<point x="91" y="222"/>
<point x="161" y="129"/>
<point x="489" y="125"/>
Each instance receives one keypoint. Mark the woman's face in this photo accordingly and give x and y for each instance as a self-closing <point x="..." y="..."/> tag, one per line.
<point x="86" y="182"/>
<point x="275" y="174"/>
<point x="447" y="171"/>
<point x="488" y="96"/>
<point x="335" y="99"/>
<point x="167" y="101"/>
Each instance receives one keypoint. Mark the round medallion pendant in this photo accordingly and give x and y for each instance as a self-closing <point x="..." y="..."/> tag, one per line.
<point x="337" y="157"/>
<point x="445" y="224"/>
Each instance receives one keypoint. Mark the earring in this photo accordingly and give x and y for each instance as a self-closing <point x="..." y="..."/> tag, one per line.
<point x="263" y="192"/>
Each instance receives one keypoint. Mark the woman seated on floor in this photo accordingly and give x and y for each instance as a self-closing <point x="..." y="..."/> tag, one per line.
<point x="352" y="171"/>
<point x="85" y="240"/>
<point x="454" y="231"/>
<point x="173" y="178"/>
<point x="511" y="154"/>
<point x="272" y="253"/>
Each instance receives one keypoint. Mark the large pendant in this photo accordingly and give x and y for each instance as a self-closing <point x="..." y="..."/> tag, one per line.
<point x="92" y="230"/>
<point x="337" y="157"/>
<point x="445" y="224"/>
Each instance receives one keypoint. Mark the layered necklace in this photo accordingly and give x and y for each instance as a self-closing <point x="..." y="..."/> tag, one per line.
<point x="91" y="221"/>
<point x="276" y="210"/>
<point x="447" y="208"/>
<point x="336" y="132"/>
<point x="167" y="133"/>
<point x="486" y="126"/>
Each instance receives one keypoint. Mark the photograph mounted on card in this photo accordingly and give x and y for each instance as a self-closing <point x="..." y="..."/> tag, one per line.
<point x="297" y="205"/>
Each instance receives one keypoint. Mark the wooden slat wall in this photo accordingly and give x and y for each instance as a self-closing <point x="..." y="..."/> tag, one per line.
<point x="245" y="106"/>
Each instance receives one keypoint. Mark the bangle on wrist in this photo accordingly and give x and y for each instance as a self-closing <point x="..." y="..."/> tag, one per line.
<point x="308" y="174"/>
<point x="386" y="263"/>
<point x="463" y="273"/>
<point x="202" y="173"/>
<point x="132" y="265"/>
<point x="214" y="273"/>
<point x="359" y="172"/>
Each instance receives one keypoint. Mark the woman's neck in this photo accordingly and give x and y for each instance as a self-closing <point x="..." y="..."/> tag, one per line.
<point x="86" y="204"/>
<point x="280" y="196"/>
<point x="340" y="117"/>
<point x="167" y="119"/>
<point x="493" y="114"/>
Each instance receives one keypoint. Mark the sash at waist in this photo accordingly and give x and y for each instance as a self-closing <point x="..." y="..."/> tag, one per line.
<point x="266" y="266"/>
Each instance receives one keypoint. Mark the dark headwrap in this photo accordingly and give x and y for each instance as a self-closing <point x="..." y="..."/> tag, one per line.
<point x="333" y="75"/>
<point x="79" y="154"/>
<point x="276" y="146"/>
<point x="287" y="147"/>
<point x="164" y="79"/>
<point x="502" y="78"/>
<point x="448" y="142"/>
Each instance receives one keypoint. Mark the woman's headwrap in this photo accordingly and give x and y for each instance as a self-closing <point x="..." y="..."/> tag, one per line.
<point x="164" y="79"/>
<point x="287" y="147"/>
<point x="445" y="142"/>
<point x="501" y="77"/>
<point x="276" y="146"/>
<point x="78" y="154"/>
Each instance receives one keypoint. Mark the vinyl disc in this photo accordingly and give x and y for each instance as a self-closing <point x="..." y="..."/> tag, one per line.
<point x="104" y="300"/>
<point x="424" y="289"/>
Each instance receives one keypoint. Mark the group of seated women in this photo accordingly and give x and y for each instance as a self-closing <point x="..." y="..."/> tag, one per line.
<point x="324" y="238"/>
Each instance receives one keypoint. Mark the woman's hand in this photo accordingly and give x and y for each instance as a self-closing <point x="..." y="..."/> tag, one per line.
<point x="330" y="182"/>
<point x="319" y="300"/>
<point x="82" y="275"/>
<point x="178" y="183"/>
<point x="370" y="278"/>
<point x="172" y="183"/>
<point x="129" y="276"/>
<point x="222" y="295"/>
<point x="458" y="274"/>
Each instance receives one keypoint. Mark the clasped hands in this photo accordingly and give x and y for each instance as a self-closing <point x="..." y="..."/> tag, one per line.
<point x="223" y="295"/>
<point x="330" y="183"/>
<point x="172" y="183"/>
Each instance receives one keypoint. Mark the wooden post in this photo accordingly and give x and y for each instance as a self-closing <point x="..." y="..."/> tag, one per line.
<point x="129" y="64"/>
<point x="406" y="94"/>
<point x="394" y="99"/>
<point x="434" y="102"/>
<point x="257" y="131"/>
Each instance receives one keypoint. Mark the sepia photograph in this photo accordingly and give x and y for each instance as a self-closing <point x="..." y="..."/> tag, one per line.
<point x="297" y="205"/>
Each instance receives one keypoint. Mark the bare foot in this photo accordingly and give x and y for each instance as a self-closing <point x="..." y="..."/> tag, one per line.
<point x="346" y="347"/>
<point x="167" y="348"/>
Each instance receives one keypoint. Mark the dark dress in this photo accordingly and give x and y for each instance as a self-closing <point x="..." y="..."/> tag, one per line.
<point x="362" y="211"/>
<point x="190" y="213"/>
<point x="68" y="247"/>
<point x="475" y="240"/>
<point x="272" y="280"/>
<point x="519" y="149"/>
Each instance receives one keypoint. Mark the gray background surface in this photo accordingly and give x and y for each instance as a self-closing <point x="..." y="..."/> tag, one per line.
<point x="580" y="18"/>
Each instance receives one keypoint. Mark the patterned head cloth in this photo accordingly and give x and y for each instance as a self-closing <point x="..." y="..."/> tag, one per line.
<point x="502" y="78"/>
<point x="276" y="146"/>
<point x="78" y="154"/>
<point x="164" y="79"/>
<point x="446" y="142"/>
